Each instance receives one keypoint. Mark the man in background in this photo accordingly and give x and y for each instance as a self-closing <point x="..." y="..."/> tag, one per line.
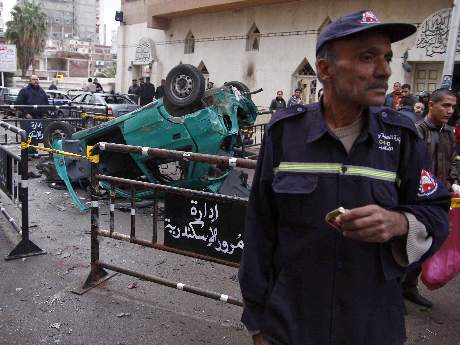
<point x="393" y="98"/>
<point x="405" y="92"/>
<point x="33" y="94"/>
<point x="52" y="86"/>
<point x="296" y="98"/>
<point x="90" y="86"/>
<point x="147" y="92"/>
<point x="133" y="91"/>
<point x="440" y="138"/>
<point x="419" y="110"/>
<point x="160" y="90"/>
<point x="278" y="102"/>
<point x="99" y="88"/>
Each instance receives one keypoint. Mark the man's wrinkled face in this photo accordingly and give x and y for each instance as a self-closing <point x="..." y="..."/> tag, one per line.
<point x="361" y="68"/>
<point x="419" y="108"/>
<point x="442" y="111"/>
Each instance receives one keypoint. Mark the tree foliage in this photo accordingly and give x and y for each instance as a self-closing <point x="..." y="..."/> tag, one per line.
<point x="28" y="30"/>
<point x="109" y="72"/>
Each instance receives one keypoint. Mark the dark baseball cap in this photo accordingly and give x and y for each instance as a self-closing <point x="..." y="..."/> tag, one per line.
<point x="361" y="21"/>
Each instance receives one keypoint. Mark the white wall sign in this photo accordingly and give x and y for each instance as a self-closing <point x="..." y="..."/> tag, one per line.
<point x="7" y="58"/>
<point x="145" y="52"/>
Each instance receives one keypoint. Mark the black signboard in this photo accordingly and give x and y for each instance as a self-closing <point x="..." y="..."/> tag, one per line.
<point x="35" y="129"/>
<point x="202" y="226"/>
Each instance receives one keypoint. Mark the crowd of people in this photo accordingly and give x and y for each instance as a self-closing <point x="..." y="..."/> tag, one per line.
<point x="144" y="92"/>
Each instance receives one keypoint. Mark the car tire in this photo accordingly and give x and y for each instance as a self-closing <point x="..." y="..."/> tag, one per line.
<point x="185" y="86"/>
<point x="176" y="111"/>
<point x="57" y="130"/>
<point x="241" y="87"/>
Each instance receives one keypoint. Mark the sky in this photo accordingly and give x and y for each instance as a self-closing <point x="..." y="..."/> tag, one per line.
<point x="108" y="14"/>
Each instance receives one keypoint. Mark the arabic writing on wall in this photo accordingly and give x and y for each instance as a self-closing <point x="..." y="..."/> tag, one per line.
<point x="205" y="227"/>
<point x="434" y="32"/>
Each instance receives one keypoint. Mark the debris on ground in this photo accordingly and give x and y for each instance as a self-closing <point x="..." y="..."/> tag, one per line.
<point x="123" y="314"/>
<point x="56" y="325"/>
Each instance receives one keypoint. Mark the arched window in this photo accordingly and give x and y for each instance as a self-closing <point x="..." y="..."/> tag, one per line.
<point x="203" y="69"/>
<point x="253" y="40"/>
<point x="304" y="78"/>
<point x="189" y="47"/>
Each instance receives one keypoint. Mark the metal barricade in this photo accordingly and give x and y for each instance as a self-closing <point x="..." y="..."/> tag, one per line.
<point x="251" y="140"/>
<point x="14" y="183"/>
<point x="208" y="242"/>
<point x="77" y="118"/>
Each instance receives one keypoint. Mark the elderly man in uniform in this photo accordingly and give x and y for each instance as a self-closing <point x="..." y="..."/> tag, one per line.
<point x="305" y="281"/>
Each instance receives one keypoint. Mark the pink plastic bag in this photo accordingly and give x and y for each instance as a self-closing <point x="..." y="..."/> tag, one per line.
<point x="444" y="265"/>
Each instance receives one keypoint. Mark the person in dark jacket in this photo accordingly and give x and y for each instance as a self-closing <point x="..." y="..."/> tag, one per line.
<point x="278" y="102"/>
<point x="296" y="98"/>
<point x="52" y="86"/>
<point x="33" y="94"/>
<point x="393" y="98"/>
<point x="407" y="109"/>
<point x="160" y="90"/>
<point x="440" y="137"/>
<point x="98" y="86"/>
<point x="147" y="92"/>
<point x="133" y="91"/>
<point x="424" y="97"/>
<point x="304" y="281"/>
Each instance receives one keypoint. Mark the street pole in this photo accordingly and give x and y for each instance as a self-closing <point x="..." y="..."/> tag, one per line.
<point x="3" y="79"/>
<point x="447" y="73"/>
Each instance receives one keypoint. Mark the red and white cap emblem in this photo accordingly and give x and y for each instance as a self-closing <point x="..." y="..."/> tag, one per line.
<point x="369" y="18"/>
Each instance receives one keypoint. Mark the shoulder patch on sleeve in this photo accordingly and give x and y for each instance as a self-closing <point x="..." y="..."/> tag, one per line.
<point x="291" y="112"/>
<point x="394" y="118"/>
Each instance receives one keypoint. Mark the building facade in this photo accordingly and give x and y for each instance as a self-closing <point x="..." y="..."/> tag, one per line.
<point x="268" y="43"/>
<point x="72" y="19"/>
<point x="74" y="58"/>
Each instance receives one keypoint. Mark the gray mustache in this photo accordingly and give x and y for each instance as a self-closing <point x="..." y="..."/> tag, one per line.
<point x="379" y="86"/>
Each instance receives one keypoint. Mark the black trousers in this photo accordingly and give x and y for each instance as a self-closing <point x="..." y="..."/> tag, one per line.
<point x="410" y="280"/>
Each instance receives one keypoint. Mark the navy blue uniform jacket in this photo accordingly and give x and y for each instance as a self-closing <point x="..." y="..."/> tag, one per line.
<point x="32" y="95"/>
<point x="302" y="282"/>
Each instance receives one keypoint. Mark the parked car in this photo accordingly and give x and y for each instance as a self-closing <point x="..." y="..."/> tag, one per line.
<point x="8" y="95"/>
<point x="105" y="103"/>
<point x="58" y="98"/>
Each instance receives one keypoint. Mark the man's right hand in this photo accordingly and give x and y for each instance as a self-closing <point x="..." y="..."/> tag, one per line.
<point x="259" y="339"/>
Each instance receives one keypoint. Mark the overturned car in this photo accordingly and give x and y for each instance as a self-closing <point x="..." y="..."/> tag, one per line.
<point x="189" y="119"/>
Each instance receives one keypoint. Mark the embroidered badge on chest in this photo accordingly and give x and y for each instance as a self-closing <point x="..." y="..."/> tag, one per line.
<point x="388" y="142"/>
<point x="428" y="184"/>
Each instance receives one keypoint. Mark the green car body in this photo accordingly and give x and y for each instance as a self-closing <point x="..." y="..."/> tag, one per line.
<point x="214" y="130"/>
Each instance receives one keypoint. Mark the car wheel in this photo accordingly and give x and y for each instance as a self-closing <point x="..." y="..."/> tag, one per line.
<point x="241" y="87"/>
<point x="57" y="130"/>
<point x="174" y="110"/>
<point x="185" y="86"/>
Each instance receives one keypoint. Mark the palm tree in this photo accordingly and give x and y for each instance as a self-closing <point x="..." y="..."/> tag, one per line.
<point x="28" y="29"/>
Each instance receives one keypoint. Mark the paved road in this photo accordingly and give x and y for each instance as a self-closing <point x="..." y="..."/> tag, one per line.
<point x="37" y="307"/>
